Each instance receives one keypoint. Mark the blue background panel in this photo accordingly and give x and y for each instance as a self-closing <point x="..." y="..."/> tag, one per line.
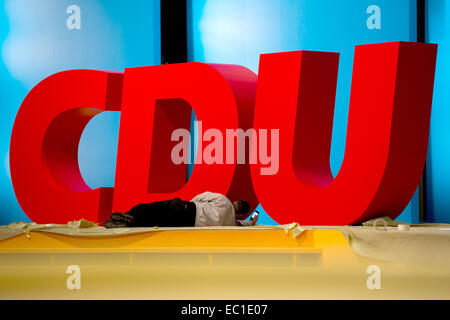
<point x="38" y="38"/>
<point x="238" y="31"/>
<point x="36" y="42"/>
<point x="438" y="162"/>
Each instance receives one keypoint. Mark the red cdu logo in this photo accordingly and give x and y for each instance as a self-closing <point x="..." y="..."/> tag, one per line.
<point x="292" y="96"/>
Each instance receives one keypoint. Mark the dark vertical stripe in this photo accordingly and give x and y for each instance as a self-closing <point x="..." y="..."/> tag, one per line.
<point x="173" y="31"/>
<point x="420" y="20"/>
<point x="174" y="45"/>
<point x="422" y="183"/>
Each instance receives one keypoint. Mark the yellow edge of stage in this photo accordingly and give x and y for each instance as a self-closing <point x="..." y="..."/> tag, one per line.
<point x="207" y="264"/>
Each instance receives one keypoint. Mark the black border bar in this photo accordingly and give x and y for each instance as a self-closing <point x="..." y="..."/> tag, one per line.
<point x="173" y="31"/>
<point x="423" y="179"/>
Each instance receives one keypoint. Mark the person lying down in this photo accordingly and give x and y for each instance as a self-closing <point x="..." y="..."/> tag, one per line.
<point x="206" y="209"/>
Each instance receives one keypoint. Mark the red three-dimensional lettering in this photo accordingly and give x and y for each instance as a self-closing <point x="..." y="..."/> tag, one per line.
<point x="44" y="146"/>
<point x="158" y="100"/>
<point x="387" y="133"/>
<point x="385" y="152"/>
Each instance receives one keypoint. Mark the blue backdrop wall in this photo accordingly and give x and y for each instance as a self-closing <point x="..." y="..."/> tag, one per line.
<point x="438" y="162"/>
<point x="39" y="38"/>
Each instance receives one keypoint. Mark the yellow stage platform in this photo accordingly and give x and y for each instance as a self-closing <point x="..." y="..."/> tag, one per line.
<point x="224" y="263"/>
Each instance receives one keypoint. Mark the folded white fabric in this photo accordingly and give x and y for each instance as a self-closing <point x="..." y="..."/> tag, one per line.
<point x="87" y="228"/>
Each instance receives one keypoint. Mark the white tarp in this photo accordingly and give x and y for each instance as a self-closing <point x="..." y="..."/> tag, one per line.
<point x="425" y="244"/>
<point x="382" y="238"/>
<point x="87" y="228"/>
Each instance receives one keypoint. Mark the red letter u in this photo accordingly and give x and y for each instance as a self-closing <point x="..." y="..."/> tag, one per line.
<point x="387" y="134"/>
